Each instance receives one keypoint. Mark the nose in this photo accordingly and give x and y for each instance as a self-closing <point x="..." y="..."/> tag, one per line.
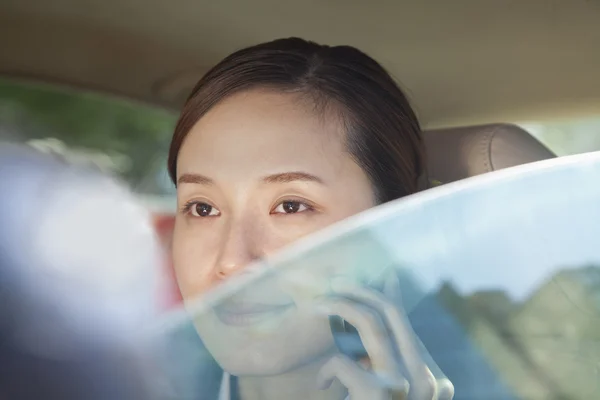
<point x="238" y="249"/>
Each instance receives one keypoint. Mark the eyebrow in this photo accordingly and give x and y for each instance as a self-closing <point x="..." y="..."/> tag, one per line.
<point x="195" y="178"/>
<point x="284" y="177"/>
<point x="287" y="177"/>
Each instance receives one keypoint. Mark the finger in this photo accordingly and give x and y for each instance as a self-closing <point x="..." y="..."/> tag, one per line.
<point x="361" y="384"/>
<point x="434" y="380"/>
<point x="371" y="329"/>
<point x="444" y="387"/>
<point x="345" y="370"/>
<point x="422" y="380"/>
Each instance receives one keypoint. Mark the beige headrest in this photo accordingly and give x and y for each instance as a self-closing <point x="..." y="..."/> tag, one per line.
<point x="459" y="153"/>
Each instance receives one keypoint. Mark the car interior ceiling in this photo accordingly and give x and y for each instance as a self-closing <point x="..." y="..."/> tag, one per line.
<point x="464" y="63"/>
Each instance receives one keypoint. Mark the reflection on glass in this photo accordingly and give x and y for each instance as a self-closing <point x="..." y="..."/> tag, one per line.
<point x="499" y="278"/>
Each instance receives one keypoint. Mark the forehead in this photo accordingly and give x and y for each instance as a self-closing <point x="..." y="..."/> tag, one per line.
<point x="260" y="130"/>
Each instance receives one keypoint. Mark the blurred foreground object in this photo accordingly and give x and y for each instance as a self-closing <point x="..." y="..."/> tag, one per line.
<point x="163" y="225"/>
<point x="79" y="281"/>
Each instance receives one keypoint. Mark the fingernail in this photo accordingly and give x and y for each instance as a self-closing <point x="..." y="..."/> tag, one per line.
<point x="320" y="304"/>
<point x="322" y="309"/>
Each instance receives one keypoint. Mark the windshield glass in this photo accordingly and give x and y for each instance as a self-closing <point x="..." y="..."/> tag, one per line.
<point x="490" y="285"/>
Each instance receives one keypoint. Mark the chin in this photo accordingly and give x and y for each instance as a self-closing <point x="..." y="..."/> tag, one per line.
<point x="245" y="353"/>
<point x="263" y="362"/>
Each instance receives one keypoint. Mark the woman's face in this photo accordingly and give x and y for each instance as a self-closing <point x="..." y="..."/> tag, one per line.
<point x="258" y="171"/>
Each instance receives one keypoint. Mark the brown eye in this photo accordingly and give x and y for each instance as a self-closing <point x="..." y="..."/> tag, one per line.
<point x="203" y="210"/>
<point x="291" y="207"/>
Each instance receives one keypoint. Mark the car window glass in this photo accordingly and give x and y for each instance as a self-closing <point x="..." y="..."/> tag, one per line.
<point x="567" y="137"/>
<point x="123" y="137"/>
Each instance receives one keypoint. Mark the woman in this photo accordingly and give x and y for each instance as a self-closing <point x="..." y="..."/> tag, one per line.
<point x="275" y="142"/>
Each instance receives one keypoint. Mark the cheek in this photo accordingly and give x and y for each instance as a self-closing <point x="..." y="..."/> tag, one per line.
<point x="194" y="255"/>
<point x="285" y="230"/>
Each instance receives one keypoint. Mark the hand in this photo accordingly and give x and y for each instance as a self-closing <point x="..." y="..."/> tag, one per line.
<point x="397" y="359"/>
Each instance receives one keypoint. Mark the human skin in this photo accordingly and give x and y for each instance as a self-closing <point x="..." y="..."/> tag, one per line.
<point x="259" y="171"/>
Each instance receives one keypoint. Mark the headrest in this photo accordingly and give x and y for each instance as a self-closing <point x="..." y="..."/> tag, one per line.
<point x="459" y="153"/>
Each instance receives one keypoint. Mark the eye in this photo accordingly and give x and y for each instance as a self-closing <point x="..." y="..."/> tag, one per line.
<point x="201" y="209"/>
<point x="291" y="207"/>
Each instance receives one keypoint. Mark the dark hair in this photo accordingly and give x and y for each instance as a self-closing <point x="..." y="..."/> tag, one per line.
<point x="383" y="133"/>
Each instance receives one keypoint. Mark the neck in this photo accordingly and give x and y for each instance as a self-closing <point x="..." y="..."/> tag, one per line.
<point x="300" y="383"/>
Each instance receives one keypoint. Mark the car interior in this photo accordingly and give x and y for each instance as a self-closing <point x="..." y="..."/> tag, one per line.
<point x="473" y="70"/>
<point x="478" y="73"/>
<point x="463" y="64"/>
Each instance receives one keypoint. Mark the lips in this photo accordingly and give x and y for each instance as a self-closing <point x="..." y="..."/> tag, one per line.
<point x="249" y="313"/>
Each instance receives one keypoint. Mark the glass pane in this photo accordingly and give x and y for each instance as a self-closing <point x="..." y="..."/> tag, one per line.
<point x="568" y="137"/>
<point x="497" y="282"/>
